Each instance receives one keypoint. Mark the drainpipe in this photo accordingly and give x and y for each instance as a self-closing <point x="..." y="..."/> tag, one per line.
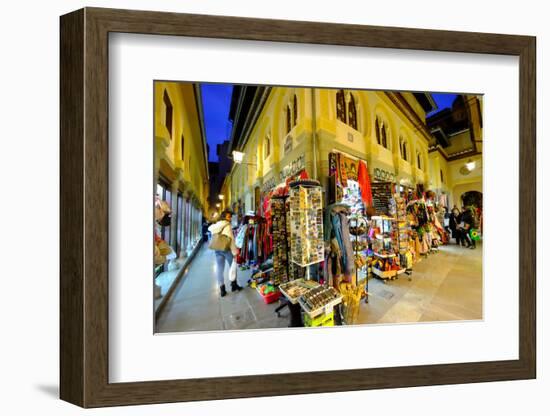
<point x="314" y="134"/>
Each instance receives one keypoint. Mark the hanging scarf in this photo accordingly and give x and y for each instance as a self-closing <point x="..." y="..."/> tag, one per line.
<point x="364" y="184"/>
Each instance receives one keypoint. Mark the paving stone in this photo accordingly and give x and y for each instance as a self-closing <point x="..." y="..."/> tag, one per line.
<point x="446" y="286"/>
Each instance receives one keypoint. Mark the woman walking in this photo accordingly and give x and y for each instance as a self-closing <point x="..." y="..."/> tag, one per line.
<point x="223" y="244"/>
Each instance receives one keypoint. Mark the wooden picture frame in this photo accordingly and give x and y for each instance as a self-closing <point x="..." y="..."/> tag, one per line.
<point x="84" y="207"/>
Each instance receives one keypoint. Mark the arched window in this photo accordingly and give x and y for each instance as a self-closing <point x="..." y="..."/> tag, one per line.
<point x="352" y="112"/>
<point x="403" y="146"/>
<point x="288" y="120"/>
<point x="168" y="113"/>
<point x="341" y="106"/>
<point x="441" y="174"/>
<point x="418" y="160"/>
<point x="346" y="108"/>
<point x="267" y="146"/>
<point x="384" y="136"/>
<point x="182" y="148"/>
<point x="377" y="128"/>
<point x="294" y="111"/>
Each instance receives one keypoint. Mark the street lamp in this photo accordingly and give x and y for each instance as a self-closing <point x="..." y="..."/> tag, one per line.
<point x="218" y="205"/>
<point x="238" y="158"/>
<point x="221" y="197"/>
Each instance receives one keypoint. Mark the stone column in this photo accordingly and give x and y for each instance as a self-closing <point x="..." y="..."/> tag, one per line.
<point x="185" y="228"/>
<point x="197" y="224"/>
<point x="189" y="233"/>
<point x="174" y="208"/>
<point x="193" y="225"/>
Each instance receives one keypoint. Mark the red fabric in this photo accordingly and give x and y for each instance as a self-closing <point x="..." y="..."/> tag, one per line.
<point x="364" y="184"/>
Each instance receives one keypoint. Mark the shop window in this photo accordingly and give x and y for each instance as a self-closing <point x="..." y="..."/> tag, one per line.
<point x="168" y="113"/>
<point x="164" y="193"/>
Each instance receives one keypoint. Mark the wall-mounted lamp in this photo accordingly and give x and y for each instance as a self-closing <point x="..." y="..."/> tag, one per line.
<point x="470" y="165"/>
<point x="238" y="158"/>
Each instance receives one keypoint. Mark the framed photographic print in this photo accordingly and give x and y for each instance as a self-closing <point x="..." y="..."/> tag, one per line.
<point x="255" y="207"/>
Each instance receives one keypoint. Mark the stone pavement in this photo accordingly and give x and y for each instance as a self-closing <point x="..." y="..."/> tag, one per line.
<point x="445" y="286"/>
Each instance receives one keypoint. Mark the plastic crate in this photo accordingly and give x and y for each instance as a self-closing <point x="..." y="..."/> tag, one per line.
<point x="271" y="297"/>
<point x="321" y="320"/>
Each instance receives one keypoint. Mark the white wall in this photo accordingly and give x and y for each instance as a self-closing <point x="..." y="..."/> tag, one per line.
<point x="30" y="82"/>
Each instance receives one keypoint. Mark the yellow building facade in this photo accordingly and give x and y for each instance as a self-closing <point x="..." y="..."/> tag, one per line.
<point x="299" y="127"/>
<point x="181" y="162"/>
<point x="448" y="170"/>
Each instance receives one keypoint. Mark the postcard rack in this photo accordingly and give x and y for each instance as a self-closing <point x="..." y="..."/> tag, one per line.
<point x="359" y="228"/>
<point x="306" y="223"/>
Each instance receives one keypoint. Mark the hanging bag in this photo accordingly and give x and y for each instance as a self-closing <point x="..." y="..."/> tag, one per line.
<point x="233" y="272"/>
<point x="220" y="241"/>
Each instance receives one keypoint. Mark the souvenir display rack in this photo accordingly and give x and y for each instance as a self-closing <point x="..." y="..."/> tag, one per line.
<point x="385" y="246"/>
<point x="320" y="300"/>
<point x="280" y="238"/>
<point x="294" y="289"/>
<point x="358" y="228"/>
<point x="306" y="223"/>
<point x="315" y="301"/>
<point x="403" y="234"/>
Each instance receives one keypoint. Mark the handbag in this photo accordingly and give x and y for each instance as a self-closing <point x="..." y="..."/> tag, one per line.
<point x="166" y="220"/>
<point x="164" y="248"/>
<point x="220" y="241"/>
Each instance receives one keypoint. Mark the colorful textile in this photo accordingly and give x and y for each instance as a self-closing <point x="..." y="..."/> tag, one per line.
<point x="364" y="184"/>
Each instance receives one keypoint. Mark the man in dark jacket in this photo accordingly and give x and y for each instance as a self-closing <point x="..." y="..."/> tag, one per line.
<point x="454" y="222"/>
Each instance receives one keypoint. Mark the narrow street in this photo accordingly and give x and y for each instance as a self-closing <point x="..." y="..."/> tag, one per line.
<point x="445" y="286"/>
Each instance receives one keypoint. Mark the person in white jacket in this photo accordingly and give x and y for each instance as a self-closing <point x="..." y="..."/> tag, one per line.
<point x="224" y="226"/>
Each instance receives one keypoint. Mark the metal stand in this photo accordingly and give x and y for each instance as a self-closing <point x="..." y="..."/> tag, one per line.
<point x="358" y="218"/>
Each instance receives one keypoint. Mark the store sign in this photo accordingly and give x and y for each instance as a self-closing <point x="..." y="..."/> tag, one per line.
<point x="383" y="175"/>
<point x="293" y="167"/>
<point x="269" y="184"/>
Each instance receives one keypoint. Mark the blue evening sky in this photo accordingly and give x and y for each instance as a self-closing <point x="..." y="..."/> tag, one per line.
<point x="442" y="101"/>
<point x="216" y="99"/>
